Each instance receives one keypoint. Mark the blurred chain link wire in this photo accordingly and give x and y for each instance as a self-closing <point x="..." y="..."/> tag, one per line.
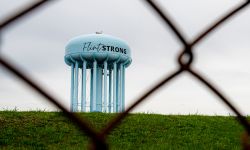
<point x="184" y="60"/>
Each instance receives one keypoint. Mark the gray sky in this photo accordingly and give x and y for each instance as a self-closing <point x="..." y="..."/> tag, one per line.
<point x="37" y="45"/>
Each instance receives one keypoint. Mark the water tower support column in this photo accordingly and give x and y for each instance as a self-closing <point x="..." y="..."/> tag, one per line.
<point x="93" y="87"/>
<point x="72" y="86"/>
<point x="99" y="89"/>
<point x="123" y="88"/>
<point x="114" y="86"/>
<point x="105" y="86"/>
<point x="83" y="98"/>
<point x="75" y="102"/>
<point x="110" y="90"/>
<point x="118" y="86"/>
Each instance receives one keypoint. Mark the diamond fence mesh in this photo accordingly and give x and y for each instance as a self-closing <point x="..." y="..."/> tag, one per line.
<point x="184" y="61"/>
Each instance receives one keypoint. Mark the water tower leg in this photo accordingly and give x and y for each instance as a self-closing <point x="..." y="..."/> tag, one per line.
<point x="83" y="102"/>
<point x="72" y="86"/>
<point x="110" y="89"/>
<point x="75" y="103"/>
<point x="118" y="89"/>
<point x="94" y="86"/>
<point x="91" y="90"/>
<point x="123" y="88"/>
<point x="99" y="90"/>
<point x="114" y="86"/>
<point x="105" y="87"/>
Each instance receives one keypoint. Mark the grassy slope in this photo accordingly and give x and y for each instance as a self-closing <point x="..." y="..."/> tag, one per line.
<point x="43" y="130"/>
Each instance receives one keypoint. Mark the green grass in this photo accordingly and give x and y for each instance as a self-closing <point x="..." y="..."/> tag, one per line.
<point x="51" y="130"/>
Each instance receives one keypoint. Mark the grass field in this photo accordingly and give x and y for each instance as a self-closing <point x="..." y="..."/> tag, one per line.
<point x="51" y="130"/>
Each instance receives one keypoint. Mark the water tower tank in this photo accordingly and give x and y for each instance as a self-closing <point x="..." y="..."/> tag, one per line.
<point x="104" y="58"/>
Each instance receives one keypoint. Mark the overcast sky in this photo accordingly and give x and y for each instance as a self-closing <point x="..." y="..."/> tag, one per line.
<point x="37" y="45"/>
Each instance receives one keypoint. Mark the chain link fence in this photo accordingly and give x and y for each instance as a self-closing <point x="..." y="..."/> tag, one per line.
<point x="184" y="61"/>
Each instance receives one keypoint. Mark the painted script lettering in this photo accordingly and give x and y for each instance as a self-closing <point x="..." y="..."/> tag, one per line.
<point x="89" y="46"/>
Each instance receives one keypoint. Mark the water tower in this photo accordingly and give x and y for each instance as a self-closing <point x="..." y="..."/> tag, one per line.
<point x="98" y="63"/>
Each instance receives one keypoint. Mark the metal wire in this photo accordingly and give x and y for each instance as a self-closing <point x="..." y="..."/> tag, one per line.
<point x="81" y="123"/>
<point x="18" y="15"/>
<point x="98" y="140"/>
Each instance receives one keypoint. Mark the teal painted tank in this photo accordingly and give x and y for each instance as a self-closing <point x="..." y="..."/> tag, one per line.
<point x="99" y="47"/>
